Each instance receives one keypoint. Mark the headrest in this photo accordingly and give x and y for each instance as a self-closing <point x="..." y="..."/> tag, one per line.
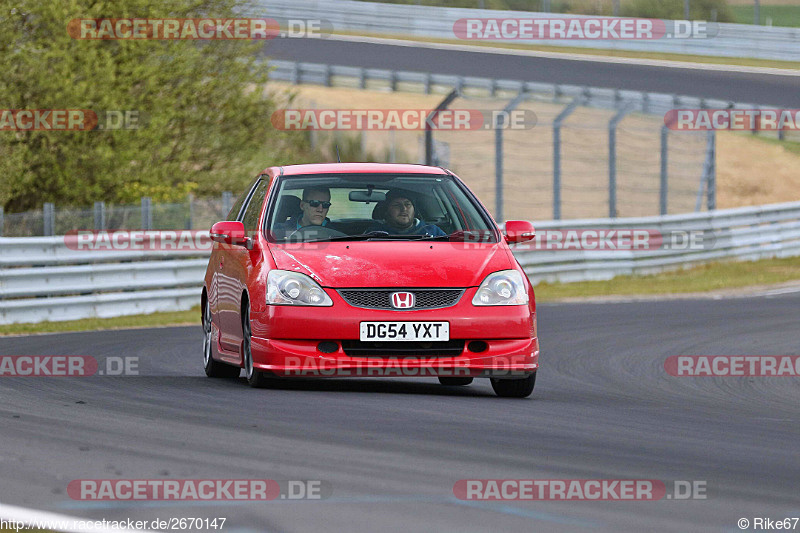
<point x="288" y="206"/>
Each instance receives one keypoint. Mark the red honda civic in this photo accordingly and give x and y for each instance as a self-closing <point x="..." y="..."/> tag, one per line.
<point x="366" y="269"/>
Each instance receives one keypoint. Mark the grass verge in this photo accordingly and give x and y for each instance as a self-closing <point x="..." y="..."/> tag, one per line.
<point x="704" y="278"/>
<point x="790" y="146"/>
<point x="686" y="58"/>
<point x="177" y="318"/>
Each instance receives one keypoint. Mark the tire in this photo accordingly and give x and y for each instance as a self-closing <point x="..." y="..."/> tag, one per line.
<point x="454" y="382"/>
<point x="214" y="369"/>
<point x="514" y="388"/>
<point x="255" y="378"/>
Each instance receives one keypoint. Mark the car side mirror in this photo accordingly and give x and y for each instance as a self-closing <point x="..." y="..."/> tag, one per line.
<point x="231" y="232"/>
<point x="519" y="231"/>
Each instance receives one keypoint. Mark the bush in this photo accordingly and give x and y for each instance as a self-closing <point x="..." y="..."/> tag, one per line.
<point x="206" y="128"/>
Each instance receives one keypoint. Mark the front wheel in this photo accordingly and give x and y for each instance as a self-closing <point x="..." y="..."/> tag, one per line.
<point x="255" y="378"/>
<point x="514" y="388"/>
<point x="214" y="369"/>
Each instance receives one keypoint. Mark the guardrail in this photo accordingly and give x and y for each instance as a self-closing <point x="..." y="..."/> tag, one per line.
<point x="747" y="233"/>
<point x="732" y="40"/>
<point x="117" y="283"/>
<point x="427" y="82"/>
<point x="48" y="279"/>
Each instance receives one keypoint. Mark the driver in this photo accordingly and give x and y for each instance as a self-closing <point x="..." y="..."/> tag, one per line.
<point x="400" y="218"/>
<point x="313" y="210"/>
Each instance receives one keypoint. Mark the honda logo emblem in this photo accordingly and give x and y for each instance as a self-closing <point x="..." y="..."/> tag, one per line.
<point x="402" y="300"/>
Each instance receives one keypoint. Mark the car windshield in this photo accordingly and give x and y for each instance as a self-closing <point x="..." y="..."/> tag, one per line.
<point x="375" y="207"/>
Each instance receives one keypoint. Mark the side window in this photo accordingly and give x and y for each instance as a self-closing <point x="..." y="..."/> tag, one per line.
<point x="237" y="207"/>
<point x="250" y="219"/>
<point x="234" y="213"/>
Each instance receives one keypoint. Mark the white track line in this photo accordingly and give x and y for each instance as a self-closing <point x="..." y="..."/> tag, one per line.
<point x="569" y="56"/>
<point x="55" y="522"/>
<point x="777" y="292"/>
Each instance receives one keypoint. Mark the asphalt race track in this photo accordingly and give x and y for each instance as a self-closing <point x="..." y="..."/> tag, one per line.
<point x="745" y="87"/>
<point x="391" y="450"/>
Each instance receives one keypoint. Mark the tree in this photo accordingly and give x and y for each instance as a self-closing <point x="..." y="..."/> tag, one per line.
<point x="203" y="111"/>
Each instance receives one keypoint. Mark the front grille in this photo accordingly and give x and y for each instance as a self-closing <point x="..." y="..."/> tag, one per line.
<point x="404" y="349"/>
<point x="380" y="298"/>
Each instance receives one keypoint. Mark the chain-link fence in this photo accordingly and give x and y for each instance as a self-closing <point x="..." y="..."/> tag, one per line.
<point x="193" y="213"/>
<point x="554" y="157"/>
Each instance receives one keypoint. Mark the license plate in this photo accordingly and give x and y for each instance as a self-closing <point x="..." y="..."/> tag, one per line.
<point x="405" y="331"/>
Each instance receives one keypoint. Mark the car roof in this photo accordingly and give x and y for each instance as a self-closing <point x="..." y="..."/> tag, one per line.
<point x="355" y="168"/>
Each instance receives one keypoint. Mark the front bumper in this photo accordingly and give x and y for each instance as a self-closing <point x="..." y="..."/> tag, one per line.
<point x="286" y="341"/>
<point x="512" y="358"/>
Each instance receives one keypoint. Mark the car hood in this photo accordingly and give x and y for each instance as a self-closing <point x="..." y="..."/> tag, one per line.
<point x="393" y="264"/>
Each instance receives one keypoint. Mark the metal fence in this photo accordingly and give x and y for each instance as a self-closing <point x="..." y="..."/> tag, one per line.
<point x="592" y="152"/>
<point x="54" y="220"/>
<point x="580" y="162"/>
<point x="43" y="278"/>
<point x="731" y="40"/>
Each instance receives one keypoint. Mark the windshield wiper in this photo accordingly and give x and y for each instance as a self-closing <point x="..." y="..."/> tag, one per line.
<point x="376" y="235"/>
<point x="435" y="238"/>
<point x="458" y="236"/>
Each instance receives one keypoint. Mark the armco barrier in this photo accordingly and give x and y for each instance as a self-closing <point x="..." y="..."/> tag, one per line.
<point x="733" y="40"/>
<point x="746" y="233"/>
<point x="603" y="98"/>
<point x="44" y="279"/>
<point x="41" y="279"/>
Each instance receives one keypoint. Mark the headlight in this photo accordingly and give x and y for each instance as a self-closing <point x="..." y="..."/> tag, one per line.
<point x="502" y="288"/>
<point x="293" y="288"/>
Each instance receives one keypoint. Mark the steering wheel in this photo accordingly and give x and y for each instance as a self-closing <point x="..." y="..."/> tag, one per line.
<point x="313" y="233"/>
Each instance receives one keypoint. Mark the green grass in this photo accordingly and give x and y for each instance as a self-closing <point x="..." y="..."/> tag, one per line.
<point x="90" y="324"/>
<point x="780" y="15"/>
<point x="790" y="146"/>
<point x="704" y="278"/>
<point x="734" y="61"/>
